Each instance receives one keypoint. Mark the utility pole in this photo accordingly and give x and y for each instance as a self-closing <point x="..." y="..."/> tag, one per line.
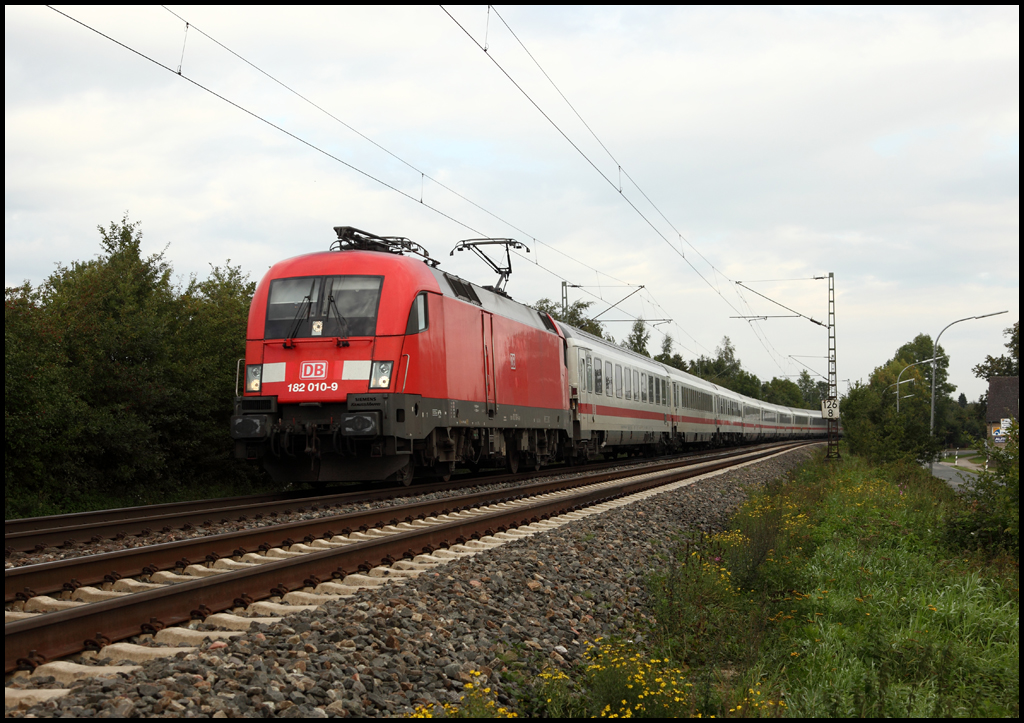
<point x="833" y="382"/>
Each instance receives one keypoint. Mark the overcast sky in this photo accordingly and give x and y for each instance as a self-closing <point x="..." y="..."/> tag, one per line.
<point x="881" y="144"/>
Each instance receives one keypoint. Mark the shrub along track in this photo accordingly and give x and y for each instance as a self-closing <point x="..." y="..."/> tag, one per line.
<point x="228" y="584"/>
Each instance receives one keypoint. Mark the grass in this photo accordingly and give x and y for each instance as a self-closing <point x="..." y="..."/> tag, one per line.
<point x="834" y="592"/>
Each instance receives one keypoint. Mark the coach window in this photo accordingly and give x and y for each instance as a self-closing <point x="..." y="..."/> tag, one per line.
<point x="643" y="387"/>
<point x="608" y="378"/>
<point x="636" y="386"/>
<point x="650" y="389"/>
<point x="629" y="387"/>
<point x="598" y="386"/>
<point x="590" y="374"/>
<point x="618" y="381"/>
<point x="656" y="397"/>
<point x="418" y="314"/>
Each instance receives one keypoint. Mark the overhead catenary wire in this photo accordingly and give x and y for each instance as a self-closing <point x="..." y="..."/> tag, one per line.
<point x="593" y="165"/>
<point x="302" y="140"/>
<point x="423" y="174"/>
<point x="622" y="171"/>
<point x="313" y="146"/>
<point x="759" y="334"/>
<point x="260" y="118"/>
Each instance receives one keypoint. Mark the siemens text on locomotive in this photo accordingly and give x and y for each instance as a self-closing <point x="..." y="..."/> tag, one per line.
<point x="367" y="362"/>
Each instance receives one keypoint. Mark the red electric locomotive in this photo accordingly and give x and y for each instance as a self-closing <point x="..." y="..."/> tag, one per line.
<point x="367" y="362"/>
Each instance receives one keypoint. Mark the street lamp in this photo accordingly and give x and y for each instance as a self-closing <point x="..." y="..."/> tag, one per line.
<point x="931" y="426"/>
<point x="898" y="382"/>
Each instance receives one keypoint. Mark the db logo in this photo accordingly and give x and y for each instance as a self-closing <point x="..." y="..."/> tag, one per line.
<point x="313" y="370"/>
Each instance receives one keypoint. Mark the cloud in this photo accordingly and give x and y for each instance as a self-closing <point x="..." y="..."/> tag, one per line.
<point x="881" y="144"/>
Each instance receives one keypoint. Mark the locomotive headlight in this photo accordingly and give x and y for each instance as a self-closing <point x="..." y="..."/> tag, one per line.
<point x="380" y="375"/>
<point x="253" y="375"/>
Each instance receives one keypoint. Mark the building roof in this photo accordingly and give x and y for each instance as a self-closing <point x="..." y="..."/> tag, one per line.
<point x="1003" y="399"/>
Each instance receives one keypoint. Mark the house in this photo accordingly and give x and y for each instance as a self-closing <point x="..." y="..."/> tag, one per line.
<point x="1003" y="405"/>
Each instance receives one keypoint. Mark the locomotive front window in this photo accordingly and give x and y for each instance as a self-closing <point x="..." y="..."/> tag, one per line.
<point x="291" y="297"/>
<point x="328" y="306"/>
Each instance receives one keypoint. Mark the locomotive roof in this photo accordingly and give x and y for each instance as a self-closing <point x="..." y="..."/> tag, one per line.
<point x="500" y="304"/>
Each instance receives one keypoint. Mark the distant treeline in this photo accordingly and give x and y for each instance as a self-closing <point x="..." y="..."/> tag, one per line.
<point x="119" y="382"/>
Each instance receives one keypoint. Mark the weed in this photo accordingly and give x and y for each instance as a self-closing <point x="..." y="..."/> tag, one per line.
<point x="832" y="593"/>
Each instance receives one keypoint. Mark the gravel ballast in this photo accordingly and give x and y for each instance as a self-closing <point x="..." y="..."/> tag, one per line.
<point x="386" y="650"/>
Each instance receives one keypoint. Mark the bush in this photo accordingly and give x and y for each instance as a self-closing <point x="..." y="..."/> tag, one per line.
<point x="119" y="383"/>
<point x="991" y="521"/>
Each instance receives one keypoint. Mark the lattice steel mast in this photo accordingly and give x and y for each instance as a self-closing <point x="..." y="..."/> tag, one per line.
<point x="833" y="381"/>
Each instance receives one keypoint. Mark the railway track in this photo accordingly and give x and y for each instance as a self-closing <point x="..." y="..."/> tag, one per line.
<point x="331" y="560"/>
<point x="67" y="532"/>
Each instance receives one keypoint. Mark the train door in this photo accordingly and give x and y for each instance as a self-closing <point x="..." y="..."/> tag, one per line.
<point x="585" y="382"/>
<point x="488" y="344"/>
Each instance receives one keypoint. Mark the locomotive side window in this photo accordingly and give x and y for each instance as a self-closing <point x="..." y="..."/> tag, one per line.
<point x="418" y="314"/>
<point x="323" y="306"/>
<point x="608" y="378"/>
<point x="598" y="386"/>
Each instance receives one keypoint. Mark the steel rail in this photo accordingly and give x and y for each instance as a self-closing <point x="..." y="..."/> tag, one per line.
<point x="221" y="505"/>
<point x="53" y="635"/>
<point x="142" y="521"/>
<point x="50" y="577"/>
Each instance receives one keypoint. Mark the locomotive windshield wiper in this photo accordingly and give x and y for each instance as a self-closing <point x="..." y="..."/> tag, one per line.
<point x="305" y="304"/>
<point x="344" y="322"/>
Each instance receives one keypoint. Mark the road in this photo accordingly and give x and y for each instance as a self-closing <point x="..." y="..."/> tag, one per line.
<point x="952" y="475"/>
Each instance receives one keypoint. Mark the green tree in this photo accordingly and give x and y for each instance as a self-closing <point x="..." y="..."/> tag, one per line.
<point x="782" y="392"/>
<point x="638" y="338"/>
<point x="1004" y="365"/>
<point x="43" y="415"/>
<point x="666" y="356"/>
<point x="575" y="316"/>
<point x="811" y="391"/>
<point x="118" y="383"/>
<point x="871" y="423"/>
